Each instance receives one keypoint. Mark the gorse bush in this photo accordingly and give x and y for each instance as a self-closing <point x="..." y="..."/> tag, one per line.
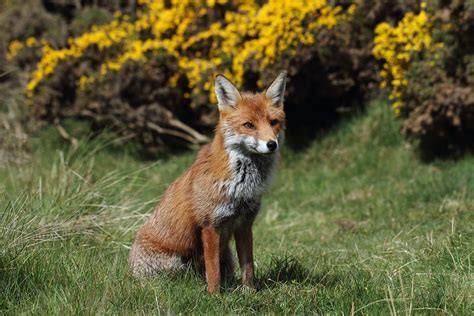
<point x="396" y="45"/>
<point x="175" y="50"/>
<point x="232" y="35"/>
<point x="147" y="71"/>
<point x="427" y="64"/>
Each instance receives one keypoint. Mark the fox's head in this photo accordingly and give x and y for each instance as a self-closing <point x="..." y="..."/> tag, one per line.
<point x="253" y="123"/>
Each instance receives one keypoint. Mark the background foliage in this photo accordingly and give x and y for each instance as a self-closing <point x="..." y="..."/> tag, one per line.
<point x="146" y="69"/>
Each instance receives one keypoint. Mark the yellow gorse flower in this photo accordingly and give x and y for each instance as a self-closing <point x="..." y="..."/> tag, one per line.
<point x="249" y="31"/>
<point x="14" y="48"/>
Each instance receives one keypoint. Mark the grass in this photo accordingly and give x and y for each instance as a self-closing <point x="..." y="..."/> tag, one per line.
<point x="355" y="223"/>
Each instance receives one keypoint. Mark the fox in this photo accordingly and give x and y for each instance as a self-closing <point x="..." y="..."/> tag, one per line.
<point x="218" y="198"/>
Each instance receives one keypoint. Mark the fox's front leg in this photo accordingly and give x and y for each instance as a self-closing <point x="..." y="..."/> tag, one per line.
<point x="210" y="242"/>
<point x="244" y="245"/>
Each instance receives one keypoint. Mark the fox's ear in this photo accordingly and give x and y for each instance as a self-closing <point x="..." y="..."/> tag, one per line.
<point x="227" y="94"/>
<point x="276" y="91"/>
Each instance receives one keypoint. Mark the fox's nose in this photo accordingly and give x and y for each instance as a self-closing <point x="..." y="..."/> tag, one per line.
<point x="272" y="145"/>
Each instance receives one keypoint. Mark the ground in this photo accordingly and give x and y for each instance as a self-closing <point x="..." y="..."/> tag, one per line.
<point x="355" y="222"/>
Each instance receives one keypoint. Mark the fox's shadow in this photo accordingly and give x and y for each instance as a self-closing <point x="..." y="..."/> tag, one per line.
<point x="288" y="270"/>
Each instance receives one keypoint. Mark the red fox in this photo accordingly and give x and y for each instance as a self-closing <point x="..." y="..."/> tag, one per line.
<point x="218" y="197"/>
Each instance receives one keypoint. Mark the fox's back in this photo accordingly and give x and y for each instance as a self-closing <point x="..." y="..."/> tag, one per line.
<point x="176" y="213"/>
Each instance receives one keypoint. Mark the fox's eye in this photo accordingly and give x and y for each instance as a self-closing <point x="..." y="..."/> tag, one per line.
<point x="249" y="125"/>
<point x="273" y="122"/>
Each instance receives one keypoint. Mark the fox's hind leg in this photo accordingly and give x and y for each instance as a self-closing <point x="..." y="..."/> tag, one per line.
<point x="149" y="263"/>
<point x="227" y="264"/>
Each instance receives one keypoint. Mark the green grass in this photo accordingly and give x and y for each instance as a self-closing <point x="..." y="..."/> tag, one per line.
<point x="354" y="223"/>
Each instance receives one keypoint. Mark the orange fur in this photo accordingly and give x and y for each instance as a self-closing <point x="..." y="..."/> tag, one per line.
<point x="210" y="240"/>
<point x="185" y="224"/>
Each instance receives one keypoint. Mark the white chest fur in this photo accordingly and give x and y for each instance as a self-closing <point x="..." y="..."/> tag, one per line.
<point x="250" y="177"/>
